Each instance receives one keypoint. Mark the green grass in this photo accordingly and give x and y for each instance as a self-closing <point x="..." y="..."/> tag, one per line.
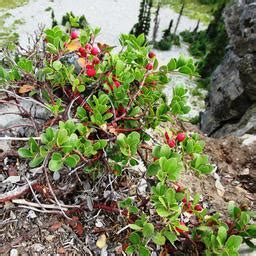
<point x="193" y="9"/>
<point x="9" y="4"/>
<point x="7" y="34"/>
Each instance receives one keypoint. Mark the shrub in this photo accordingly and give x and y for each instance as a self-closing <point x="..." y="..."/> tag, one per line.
<point x="102" y="121"/>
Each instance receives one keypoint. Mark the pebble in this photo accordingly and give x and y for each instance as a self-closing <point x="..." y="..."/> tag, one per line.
<point x="14" y="252"/>
<point x="56" y="176"/>
<point x="38" y="247"/>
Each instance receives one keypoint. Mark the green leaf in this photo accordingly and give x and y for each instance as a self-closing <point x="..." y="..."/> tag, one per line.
<point x="81" y="88"/>
<point x="72" y="160"/>
<point x="159" y="239"/>
<point x="25" y="64"/>
<point x="171" y="65"/>
<point x="155" y="64"/>
<point x="222" y="235"/>
<point x="153" y="169"/>
<point x="130" y="249"/>
<point x="24" y="152"/>
<point x="100" y="144"/>
<point x="231" y="206"/>
<point x="148" y="229"/>
<point x="234" y="242"/>
<point x="143" y="251"/>
<point x="62" y="137"/>
<point x="55" y="165"/>
<point x="165" y="151"/>
<point x="196" y="200"/>
<point x="251" y="230"/>
<point x="141" y="39"/>
<point x="33" y="145"/>
<point x="170" y="236"/>
<point x="162" y="212"/>
<point x="135" y="227"/>
<point x="57" y="156"/>
<point x="36" y="161"/>
<point x="57" y="65"/>
<point x="244" y="219"/>
<point x="185" y="70"/>
<point x="134" y="238"/>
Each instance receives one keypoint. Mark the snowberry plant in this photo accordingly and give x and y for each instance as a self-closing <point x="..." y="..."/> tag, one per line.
<point x="103" y="103"/>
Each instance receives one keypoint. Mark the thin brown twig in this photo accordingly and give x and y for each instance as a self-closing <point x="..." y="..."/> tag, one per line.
<point x="50" y="187"/>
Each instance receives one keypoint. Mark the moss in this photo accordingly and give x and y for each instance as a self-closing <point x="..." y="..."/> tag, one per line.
<point x="194" y="9"/>
<point x="9" y="4"/>
<point x="7" y="34"/>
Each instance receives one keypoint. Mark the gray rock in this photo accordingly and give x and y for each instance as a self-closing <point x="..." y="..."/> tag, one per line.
<point x="10" y="116"/>
<point x="230" y="106"/>
<point x="72" y="59"/>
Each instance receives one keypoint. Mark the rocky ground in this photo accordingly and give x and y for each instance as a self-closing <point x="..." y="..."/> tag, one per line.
<point x="31" y="229"/>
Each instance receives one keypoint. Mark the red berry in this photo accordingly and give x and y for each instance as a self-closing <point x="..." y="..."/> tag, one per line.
<point x="88" y="47"/>
<point x="82" y="51"/>
<point x="155" y="159"/>
<point x="91" y="72"/>
<point x="94" y="51"/>
<point x="96" y="60"/>
<point x="198" y="207"/>
<point x="89" y="66"/>
<point x="184" y="200"/>
<point x="117" y="84"/>
<point x="149" y="66"/>
<point x="73" y="35"/>
<point x="111" y="87"/>
<point x="179" y="189"/>
<point x="171" y="143"/>
<point x="166" y="136"/>
<point x="180" y="137"/>
<point x="151" y="55"/>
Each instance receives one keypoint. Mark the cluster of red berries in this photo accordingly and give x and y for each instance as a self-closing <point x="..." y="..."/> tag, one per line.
<point x="84" y="51"/>
<point x="189" y="208"/>
<point x="172" y="142"/>
<point x="149" y="66"/>
<point x="188" y="205"/>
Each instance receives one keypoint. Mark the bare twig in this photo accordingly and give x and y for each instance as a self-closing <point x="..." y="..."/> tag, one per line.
<point x="15" y="193"/>
<point x="19" y="138"/>
<point x="33" y="192"/>
<point x="50" y="187"/>
<point x="46" y="206"/>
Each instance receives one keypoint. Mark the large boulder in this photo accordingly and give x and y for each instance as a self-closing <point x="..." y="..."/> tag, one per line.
<point x="230" y="106"/>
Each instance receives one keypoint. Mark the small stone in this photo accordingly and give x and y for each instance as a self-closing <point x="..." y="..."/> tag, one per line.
<point x="56" y="176"/>
<point x="98" y="223"/>
<point x="32" y="214"/>
<point x="102" y="241"/>
<point x="38" y="247"/>
<point x="12" y="179"/>
<point x="50" y="238"/>
<point x="246" y="171"/>
<point x="14" y="252"/>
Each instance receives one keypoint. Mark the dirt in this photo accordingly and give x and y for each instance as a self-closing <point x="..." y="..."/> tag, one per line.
<point x="235" y="176"/>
